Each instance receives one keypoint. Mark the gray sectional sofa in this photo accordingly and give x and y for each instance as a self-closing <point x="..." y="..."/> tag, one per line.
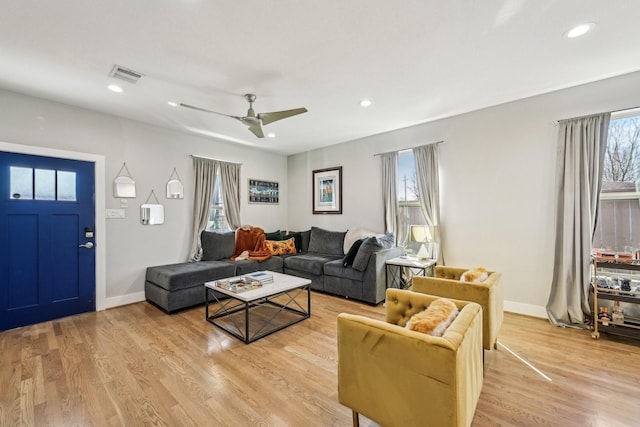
<point x="359" y="274"/>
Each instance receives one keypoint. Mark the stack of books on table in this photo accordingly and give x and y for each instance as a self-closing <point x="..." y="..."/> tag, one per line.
<point x="260" y="276"/>
<point x="238" y="284"/>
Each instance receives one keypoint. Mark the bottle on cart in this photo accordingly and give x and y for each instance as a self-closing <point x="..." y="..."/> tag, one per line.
<point x="617" y="314"/>
<point x="604" y="315"/>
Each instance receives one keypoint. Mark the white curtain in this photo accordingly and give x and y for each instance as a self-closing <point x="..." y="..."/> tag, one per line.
<point x="580" y="156"/>
<point x="389" y="192"/>
<point x="428" y="177"/>
<point x="230" y="180"/>
<point x="204" y="183"/>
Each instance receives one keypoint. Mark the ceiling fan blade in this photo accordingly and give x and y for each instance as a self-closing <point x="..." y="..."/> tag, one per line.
<point x="205" y="110"/>
<point x="279" y="115"/>
<point x="257" y="130"/>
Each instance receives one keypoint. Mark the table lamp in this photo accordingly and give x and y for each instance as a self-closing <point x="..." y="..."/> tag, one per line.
<point x="421" y="234"/>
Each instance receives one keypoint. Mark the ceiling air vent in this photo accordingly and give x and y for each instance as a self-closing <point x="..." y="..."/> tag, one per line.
<point x="125" y="74"/>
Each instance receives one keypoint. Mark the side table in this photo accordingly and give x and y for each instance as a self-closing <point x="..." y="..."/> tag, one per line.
<point x="401" y="270"/>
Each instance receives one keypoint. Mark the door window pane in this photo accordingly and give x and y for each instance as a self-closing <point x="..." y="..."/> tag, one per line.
<point x="67" y="186"/>
<point x="21" y="183"/>
<point x="45" y="184"/>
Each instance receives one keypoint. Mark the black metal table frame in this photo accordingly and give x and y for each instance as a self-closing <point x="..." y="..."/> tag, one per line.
<point x="231" y="305"/>
<point x="396" y="276"/>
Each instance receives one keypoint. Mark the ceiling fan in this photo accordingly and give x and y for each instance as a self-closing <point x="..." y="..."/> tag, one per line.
<point x="253" y="120"/>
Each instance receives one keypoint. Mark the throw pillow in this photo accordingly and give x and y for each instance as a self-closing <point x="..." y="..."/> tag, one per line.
<point x="297" y="238"/>
<point x="283" y="247"/>
<point x="306" y="237"/>
<point x="354" y="234"/>
<point x="475" y="275"/>
<point x="276" y="235"/>
<point x="435" y="319"/>
<point x="351" y="253"/>
<point x="370" y="245"/>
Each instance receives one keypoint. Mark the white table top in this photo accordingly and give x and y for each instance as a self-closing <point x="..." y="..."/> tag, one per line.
<point x="281" y="283"/>
<point x="406" y="261"/>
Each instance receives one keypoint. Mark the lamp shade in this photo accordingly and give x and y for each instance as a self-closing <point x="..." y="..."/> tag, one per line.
<point x="421" y="233"/>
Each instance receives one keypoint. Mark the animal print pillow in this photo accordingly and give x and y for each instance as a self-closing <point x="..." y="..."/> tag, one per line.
<point x="435" y="319"/>
<point x="281" y="247"/>
<point x="475" y="275"/>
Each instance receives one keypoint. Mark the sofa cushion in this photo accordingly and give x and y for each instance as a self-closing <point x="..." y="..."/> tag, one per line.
<point x="326" y="242"/>
<point x="282" y="247"/>
<point x="309" y="262"/>
<point x="335" y="268"/>
<point x="347" y="261"/>
<point x="372" y="244"/>
<point x="217" y="245"/>
<point x="246" y="266"/>
<point x="354" y="234"/>
<point x="188" y="274"/>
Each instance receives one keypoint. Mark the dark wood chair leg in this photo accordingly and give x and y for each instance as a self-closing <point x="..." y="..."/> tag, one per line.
<point x="356" y="419"/>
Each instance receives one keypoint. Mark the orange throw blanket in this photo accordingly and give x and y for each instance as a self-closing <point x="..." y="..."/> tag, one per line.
<point x="251" y="239"/>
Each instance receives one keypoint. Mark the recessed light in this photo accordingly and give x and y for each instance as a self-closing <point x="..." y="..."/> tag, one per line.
<point x="271" y="135"/>
<point x="115" y="88"/>
<point x="365" y="103"/>
<point x="173" y="104"/>
<point x="580" y="30"/>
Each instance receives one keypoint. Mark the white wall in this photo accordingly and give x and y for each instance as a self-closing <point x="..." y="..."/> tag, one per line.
<point x="497" y="170"/>
<point x="150" y="153"/>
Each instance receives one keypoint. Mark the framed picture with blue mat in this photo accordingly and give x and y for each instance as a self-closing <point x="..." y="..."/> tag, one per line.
<point x="327" y="191"/>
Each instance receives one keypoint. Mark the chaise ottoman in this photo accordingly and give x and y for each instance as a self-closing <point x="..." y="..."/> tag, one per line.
<point x="174" y="287"/>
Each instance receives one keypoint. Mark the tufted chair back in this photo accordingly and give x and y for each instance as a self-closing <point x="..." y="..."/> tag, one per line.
<point x="399" y="377"/>
<point x="488" y="294"/>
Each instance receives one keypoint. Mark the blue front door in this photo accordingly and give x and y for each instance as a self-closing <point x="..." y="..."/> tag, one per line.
<point x="47" y="229"/>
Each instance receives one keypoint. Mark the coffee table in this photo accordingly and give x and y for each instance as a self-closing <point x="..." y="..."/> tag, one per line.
<point x="256" y="313"/>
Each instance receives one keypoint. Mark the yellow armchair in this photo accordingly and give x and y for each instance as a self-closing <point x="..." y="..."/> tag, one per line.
<point x="488" y="294"/>
<point x="398" y="377"/>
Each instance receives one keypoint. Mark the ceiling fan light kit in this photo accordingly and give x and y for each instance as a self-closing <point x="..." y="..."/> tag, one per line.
<point x="252" y="120"/>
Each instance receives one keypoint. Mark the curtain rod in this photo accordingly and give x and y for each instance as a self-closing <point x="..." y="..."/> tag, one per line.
<point x="623" y="110"/>
<point x="409" y="148"/>
<point x="211" y="158"/>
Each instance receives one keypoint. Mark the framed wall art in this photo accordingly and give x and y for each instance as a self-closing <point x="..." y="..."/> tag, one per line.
<point x="261" y="191"/>
<point x="327" y="191"/>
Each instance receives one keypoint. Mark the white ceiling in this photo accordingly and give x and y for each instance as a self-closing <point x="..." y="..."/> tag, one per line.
<point x="417" y="60"/>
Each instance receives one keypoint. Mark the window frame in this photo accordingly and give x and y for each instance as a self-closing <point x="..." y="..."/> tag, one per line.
<point x="619" y="195"/>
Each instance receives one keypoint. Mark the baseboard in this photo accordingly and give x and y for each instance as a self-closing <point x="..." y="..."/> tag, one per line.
<point x="526" y="309"/>
<point x="112" y="302"/>
<point x="510" y="306"/>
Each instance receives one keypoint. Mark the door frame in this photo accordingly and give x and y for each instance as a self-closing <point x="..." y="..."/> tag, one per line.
<point x="99" y="214"/>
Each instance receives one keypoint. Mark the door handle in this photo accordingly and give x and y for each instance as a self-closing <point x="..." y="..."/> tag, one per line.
<point x="87" y="245"/>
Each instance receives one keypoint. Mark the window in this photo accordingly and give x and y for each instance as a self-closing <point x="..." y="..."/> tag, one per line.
<point x="407" y="182"/>
<point x="41" y="184"/>
<point x="217" y="219"/>
<point x="409" y="211"/>
<point x="618" y="227"/>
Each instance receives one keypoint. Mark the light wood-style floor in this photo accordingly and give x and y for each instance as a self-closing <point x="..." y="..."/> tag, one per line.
<point x="135" y="365"/>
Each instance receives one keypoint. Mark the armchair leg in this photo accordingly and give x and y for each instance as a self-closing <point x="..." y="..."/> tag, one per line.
<point x="356" y="419"/>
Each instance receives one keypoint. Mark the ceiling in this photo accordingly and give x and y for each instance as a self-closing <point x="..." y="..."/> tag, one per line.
<point x="417" y="60"/>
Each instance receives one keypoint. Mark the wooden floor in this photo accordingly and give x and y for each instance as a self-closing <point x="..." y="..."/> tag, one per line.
<point x="135" y="365"/>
